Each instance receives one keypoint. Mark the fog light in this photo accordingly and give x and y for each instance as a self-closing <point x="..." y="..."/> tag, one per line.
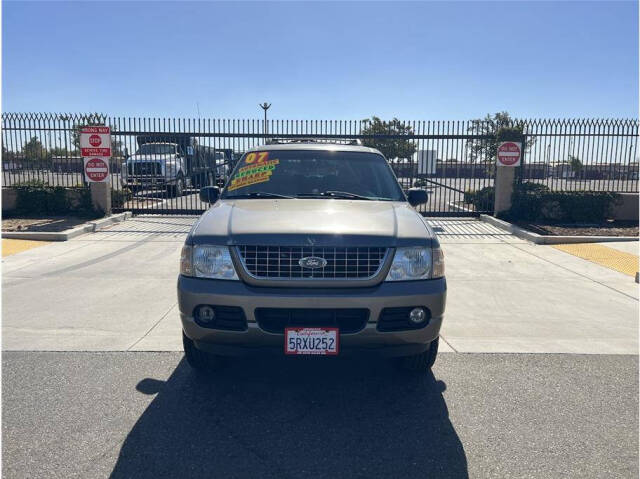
<point x="205" y="314"/>
<point x="417" y="315"/>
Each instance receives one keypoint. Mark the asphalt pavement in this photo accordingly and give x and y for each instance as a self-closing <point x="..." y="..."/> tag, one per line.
<point x="144" y="414"/>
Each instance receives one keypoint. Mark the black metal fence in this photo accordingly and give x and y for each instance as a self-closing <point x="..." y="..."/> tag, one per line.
<point x="582" y="155"/>
<point x="447" y="158"/>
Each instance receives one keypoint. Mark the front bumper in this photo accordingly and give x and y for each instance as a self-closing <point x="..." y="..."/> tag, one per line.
<point x="193" y="292"/>
<point x="146" y="181"/>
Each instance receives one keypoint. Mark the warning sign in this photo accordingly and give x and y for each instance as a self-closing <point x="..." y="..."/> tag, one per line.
<point x="509" y="153"/>
<point x="95" y="141"/>
<point x="95" y="148"/>
<point x="96" y="169"/>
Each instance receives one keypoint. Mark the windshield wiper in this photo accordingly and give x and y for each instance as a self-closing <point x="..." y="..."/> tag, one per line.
<point x="337" y="194"/>
<point x="259" y="194"/>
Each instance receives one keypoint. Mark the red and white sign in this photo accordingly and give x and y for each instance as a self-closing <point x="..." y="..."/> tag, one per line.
<point x="95" y="141"/>
<point x="96" y="169"/>
<point x="509" y="153"/>
<point x="313" y="341"/>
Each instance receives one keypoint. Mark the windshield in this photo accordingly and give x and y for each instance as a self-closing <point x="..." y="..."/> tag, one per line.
<point x="157" y="149"/>
<point x="313" y="173"/>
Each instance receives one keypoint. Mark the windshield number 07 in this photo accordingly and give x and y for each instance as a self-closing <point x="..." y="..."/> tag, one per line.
<point x="261" y="156"/>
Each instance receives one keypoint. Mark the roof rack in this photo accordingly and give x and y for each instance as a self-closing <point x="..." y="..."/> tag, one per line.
<point x="338" y="141"/>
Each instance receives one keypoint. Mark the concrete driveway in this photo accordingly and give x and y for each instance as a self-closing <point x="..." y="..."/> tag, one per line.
<point x="115" y="291"/>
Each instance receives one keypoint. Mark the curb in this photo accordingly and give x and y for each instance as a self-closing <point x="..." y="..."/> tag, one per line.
<point x="459" y="208"/>
<point x="89" y="227"/>
<point x="540" y="239"/>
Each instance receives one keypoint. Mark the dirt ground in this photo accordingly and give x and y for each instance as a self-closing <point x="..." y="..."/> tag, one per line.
<point x="613" y="228"/>
<point x="49" y="224"/>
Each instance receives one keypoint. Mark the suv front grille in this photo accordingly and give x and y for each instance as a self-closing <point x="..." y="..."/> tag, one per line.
<point x="283" y="262"/>
<point x="274" y="320"/>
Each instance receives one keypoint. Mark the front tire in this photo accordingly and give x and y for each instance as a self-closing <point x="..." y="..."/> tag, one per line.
<point x="199" y="360"/>
<point x="177" y="189"/>
<point x="422" y="362"/>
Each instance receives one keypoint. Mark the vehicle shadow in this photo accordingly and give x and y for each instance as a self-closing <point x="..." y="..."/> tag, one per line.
<point x="292" y="418"/>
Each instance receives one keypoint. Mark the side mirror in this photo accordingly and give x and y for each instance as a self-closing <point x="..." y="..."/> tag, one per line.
<point x="209" y="194"/>
<point x="417" y="196"/>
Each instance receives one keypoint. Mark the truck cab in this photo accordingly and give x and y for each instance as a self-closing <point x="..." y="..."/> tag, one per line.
<point x="156" y="165"/>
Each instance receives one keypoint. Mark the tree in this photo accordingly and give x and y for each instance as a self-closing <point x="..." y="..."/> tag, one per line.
<point x="499" y="127"/>
<point x="33" y="150"/>
<point x="575" y="164"/>
<point x="59" y="151"/>
<point x="117" y="148"/>
<point x="8" y="157"/>
<point x="391" y="147"/>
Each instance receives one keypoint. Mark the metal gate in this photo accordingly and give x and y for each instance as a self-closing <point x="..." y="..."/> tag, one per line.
<point x="435" y="156"/>
<point x="452" y="160"/>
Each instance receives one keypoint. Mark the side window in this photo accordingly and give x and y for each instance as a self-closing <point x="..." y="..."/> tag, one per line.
<point x="180" y="152"/>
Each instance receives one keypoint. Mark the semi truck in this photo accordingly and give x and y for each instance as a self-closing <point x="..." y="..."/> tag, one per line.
<point x="174" y="162"/>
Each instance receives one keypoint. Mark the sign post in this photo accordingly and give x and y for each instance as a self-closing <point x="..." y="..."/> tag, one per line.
<point x="508" y="156"/>
<point x="95" y="147"/>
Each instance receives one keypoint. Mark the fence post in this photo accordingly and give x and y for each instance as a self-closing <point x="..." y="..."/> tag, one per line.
<point x="503" y="188"/>
<point x="506" y="175"/>
<point x="101" y="196"/>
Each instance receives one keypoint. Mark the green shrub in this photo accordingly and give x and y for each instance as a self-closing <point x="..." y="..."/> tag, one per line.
<point x="535" y="202"/>
<point x="482" y="199"/>
<point x="533" y="188"/>
<point x="120" y="197"/>
<point x="33" y="184"/>
<point x="468" y="196"/>
<point x="37" y="199"/>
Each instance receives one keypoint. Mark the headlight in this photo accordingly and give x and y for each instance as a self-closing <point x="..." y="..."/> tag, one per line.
<point x="203" y="261"/>
<point x="416" y="263"/>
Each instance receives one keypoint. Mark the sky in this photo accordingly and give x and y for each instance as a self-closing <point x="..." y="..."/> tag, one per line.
<point x="312" y="60"/>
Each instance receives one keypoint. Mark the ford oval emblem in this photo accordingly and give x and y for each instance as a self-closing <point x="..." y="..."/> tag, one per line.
<point x="312" y="262"/>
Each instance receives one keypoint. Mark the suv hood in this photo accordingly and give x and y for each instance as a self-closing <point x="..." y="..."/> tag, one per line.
<point x="307" y="222"/>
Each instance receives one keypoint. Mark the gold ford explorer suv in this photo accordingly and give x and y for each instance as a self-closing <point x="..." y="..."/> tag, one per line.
<point x="312" y="249"/>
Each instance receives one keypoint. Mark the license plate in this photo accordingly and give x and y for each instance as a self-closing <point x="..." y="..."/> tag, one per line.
<point x="311" y="341"/>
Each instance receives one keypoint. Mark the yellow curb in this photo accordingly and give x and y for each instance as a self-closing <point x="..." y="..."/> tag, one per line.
<point x="611" y="258"/>
<point x="15" y="246"/>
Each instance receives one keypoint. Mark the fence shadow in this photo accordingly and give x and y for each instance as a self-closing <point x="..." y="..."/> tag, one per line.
<point x="289" y="418"/>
